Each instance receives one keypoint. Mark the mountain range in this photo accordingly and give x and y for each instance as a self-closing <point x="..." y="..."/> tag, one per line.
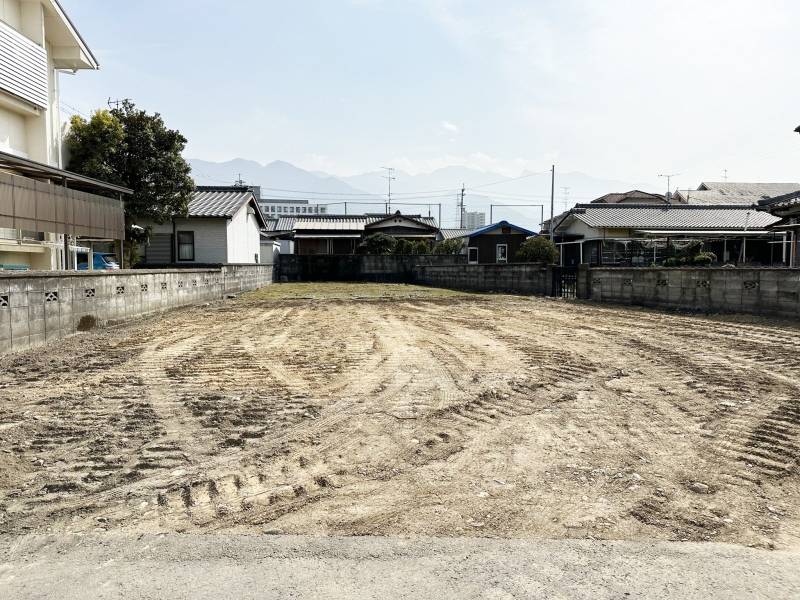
<point x="416" y="194"/>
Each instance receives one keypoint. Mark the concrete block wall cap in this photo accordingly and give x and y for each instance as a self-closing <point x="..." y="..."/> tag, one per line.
<point x="23" y="275"/>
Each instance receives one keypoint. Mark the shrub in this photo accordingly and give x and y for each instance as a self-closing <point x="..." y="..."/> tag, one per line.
<point x="537" y="249"/>
<point x="453" y="246"/>
<point x="403" y="247"/>
<point x="704" y="259"/>
<point x="377" y="243"/>
<point x="674" y="262"/>
<point x="420" y="247"/>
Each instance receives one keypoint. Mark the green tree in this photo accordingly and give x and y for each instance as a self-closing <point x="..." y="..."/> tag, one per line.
<point x="377" y="243"/>
<point x="537" y="249"/>
<point x="403" y="247"/>
<point x="420" y="247"/>
<point x="93" y="146"/>
<point x="451" y="246"/>
<point x="129" y="147"/>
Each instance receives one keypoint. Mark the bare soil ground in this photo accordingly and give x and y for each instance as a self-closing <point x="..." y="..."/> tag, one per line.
<point x="394" y="410"/>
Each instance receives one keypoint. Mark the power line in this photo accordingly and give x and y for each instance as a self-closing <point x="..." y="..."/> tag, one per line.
<point x="353" y="193"/>
<point x="72" y="109"/>
<point x="507" y="180"/>
<point x="278" y="198"/>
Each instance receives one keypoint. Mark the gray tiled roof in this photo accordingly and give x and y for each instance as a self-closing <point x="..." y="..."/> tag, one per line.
<point x="449" y="234"/>
<point x="732" y="193"/>
<point x="339" y="222"/>
<point x="715" y="198"/>
<point x="674" y="217"/>
<point x="739" y="188"/>
<point x="781" y="202"/>
<point x="218" y="202"/>
<point x="335" y="222"/>
<point x="634" y="196"/>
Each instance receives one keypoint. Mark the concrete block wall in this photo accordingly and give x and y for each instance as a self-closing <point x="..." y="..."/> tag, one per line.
<point x="358" y="267"/>
<point x="38" y="307"/>
<point x="521" y="278"/>
<point x="756" y="291"/>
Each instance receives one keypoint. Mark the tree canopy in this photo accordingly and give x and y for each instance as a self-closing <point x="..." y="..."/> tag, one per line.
<point x="377" y="243"/>
<point x="128" y="147"/>
<point x="537" y="249"/>
<point x="451" y="246"/>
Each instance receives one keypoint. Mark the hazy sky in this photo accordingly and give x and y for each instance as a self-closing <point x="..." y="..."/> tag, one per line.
<point x="616" y="89"/>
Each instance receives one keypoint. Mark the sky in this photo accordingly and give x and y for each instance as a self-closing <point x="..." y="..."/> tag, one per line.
<point x="617" y="89"/>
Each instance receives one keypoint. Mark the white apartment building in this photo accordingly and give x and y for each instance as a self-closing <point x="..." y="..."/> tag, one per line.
<point x="474" y="220"/>
<point x="37" y="40"/>
<point x="40" y="203"/>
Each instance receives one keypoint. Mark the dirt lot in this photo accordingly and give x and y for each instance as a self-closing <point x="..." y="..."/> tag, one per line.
<point x="394" y="410"/>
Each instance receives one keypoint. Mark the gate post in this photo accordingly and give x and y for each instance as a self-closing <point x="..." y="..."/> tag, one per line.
<point x="583" y="286"/>
<point x="549" y="280"/>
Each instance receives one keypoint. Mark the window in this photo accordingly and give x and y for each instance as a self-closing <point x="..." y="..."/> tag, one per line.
<point x="472" y="256"/>
<point x="186" y="245"/>
<point x="502" y="253"/>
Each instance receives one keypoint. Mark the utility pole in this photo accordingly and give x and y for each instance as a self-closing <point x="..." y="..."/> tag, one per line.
<point x="461" y="208"/>
<point x="669" y="176"/>
<point x="389" y="177"/>
<point x="552" y="201"/>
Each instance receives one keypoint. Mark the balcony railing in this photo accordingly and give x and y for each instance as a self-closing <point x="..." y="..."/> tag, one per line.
<point x="23" y="67"/>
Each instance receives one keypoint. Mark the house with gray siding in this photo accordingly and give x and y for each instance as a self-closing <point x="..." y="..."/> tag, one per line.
<point x="223" y="225"/>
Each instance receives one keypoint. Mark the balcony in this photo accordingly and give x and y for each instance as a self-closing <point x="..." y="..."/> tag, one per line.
<point x="23" y="67"/>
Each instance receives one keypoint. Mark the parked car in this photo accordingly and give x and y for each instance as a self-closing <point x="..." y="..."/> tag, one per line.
<point x="102" y="261"/>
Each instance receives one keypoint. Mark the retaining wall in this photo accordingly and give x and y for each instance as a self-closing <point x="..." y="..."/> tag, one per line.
<point x="757" y="291"/>
<point x="358" y="267"/>
<point x="38" y="307"/>
<point x="522" y="278"/>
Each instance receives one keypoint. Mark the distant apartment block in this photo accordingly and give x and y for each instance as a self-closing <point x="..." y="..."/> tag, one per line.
<point x="282" y="208"/>
<point x="474" y="220"/>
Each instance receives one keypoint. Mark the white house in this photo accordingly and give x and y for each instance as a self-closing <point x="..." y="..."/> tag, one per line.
<point x="223" y="226"/>
<point x="39" y="202"/>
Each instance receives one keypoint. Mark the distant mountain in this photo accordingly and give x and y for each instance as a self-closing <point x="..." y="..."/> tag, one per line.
<point x="441" y="186"/>
<point x="274" y="178"/>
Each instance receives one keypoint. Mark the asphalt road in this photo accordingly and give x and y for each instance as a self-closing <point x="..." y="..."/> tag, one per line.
<point x="227" y="566"/>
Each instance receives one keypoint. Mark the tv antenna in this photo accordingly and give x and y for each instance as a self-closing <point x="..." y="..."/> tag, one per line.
<point x="669" y="176"/>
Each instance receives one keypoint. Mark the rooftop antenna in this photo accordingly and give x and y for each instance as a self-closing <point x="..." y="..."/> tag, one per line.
<point x="566" y="197"/>
<point x="117" y="103"/>
<point x="669" y="176"/>
<point x="389" y="177"/>
<point x="239" y="182"/>
<point x="725" y="174"/>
